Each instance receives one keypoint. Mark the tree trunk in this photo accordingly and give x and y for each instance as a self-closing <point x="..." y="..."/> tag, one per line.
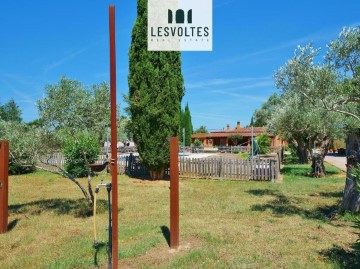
<point x="351" y="197"/>
<point x="157" y="175"/>
<point x="303" y="151"/>
<point x="318" y="167"/>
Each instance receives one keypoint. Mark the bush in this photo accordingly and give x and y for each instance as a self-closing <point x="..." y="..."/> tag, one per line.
<point x="75" y="150"/>
<point x="341" y="151"/>
<point x="235" y="151"/>
<point x="264" y="143"/>
<point x="197" y="143"/>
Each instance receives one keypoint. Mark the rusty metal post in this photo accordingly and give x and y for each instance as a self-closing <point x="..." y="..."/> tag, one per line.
<point x="4" y="185"/>
<point x="114" y="183"/>
<point x="174" y="193"/>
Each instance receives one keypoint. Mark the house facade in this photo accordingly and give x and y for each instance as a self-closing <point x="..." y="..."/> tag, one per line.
<point x="221" y="137"/>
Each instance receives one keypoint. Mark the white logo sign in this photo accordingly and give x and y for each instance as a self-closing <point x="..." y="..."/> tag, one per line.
<point x="179" y="25"/>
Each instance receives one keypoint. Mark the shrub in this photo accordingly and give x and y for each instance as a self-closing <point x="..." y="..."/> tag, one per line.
<point x="75" y="150"/>
<point x="264" y="143"/>
<point x="197" y="143"/>
<point x="235" y="151"/>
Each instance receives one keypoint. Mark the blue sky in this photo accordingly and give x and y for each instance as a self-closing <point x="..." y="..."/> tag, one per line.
<point x="42" y="40"/>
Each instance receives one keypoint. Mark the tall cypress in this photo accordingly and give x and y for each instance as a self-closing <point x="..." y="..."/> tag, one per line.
<point x="186" y="123"/>
<point x="155" y="93"/>
<point x="188" y="126"/>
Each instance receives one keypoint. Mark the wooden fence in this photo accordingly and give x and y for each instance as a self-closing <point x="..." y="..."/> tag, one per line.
<point x="266" y="169"/>
<point x="219" y="168"/>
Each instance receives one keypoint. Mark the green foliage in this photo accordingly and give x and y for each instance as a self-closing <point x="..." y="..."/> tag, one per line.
<point x="244" y="155"/>
<point x="262" y="116"/>
<point x="69" y="107"/>
<point x="355" y="172"/>
<point x="201" y="130"/>
<point x="76" y="149"/>
<point x="10" y="112"/>
<point x="185" y="123"/>
<point x="297" y="119"/>
<point x="357" y="226"/>
<point x="197" y="143"/>
<point x="235" y="151"/>
<point x="155" y="93"/>
<point x="235" y="139"/>
<point x="25" y="145"/>
<point x="264" y="143"/>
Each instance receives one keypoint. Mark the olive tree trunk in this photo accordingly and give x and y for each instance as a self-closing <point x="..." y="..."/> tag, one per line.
<point x="351" y="197"/>
<point x="317" y="166"/>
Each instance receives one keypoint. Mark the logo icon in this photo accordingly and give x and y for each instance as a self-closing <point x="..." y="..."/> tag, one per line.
<point x="179" y="25"/>
<point x="180" y="16"/>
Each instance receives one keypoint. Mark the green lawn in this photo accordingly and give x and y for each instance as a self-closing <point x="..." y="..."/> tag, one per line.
<point x="223" y="224"/>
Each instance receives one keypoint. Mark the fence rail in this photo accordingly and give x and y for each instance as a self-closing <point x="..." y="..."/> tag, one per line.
<point x="255" y="169"/>
<point x="266" y="169"/>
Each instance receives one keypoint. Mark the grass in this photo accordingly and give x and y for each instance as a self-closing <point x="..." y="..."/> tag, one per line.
<point x="223" y="224"/>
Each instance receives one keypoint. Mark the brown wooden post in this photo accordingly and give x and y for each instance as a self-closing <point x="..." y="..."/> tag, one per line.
<point x="114" y="183"/>
<point x="174" y="193"/>
<point x="4" y="185"/>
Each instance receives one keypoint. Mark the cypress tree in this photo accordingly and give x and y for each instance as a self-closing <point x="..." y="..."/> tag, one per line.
<point x="185" y="123"/>
<point x="155" y="93"/>
<point x="188" y="125"/>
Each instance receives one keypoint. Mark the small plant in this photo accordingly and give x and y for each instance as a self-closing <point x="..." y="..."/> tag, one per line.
<point x="235" y="151"/>
<point x="264" y="143"/>
<point x="76" y="150"/>
<point x="355" y="172"/>
<point x="235" y="139"/>
<point x="197" y="143"/>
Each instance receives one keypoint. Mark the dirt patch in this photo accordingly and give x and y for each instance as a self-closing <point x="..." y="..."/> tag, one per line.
<point x="160" y="254"/>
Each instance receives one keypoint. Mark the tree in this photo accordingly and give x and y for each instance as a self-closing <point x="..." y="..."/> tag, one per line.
<point x="185" y="123"/>
<point x="10" y="112"/>
<point x="295" y="119"/>
<point x="262" y="116"/>
<point x="69" y="108"/>
<point x="25" y="146"/>
<point x="201" y="130"/>
<point x="235" y="139"/>
<point x="155" y="93"/>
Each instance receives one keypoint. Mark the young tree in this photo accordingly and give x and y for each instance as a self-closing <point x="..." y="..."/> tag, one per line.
<point x="69" y="108"/>
<point x="235" y="139"/>
<point x="201" y="130"/>
<point x="10" y="112"/>
<point x="155" y="93"/>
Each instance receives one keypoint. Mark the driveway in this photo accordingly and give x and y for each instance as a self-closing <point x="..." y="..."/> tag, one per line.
<point x="336" y="160"/>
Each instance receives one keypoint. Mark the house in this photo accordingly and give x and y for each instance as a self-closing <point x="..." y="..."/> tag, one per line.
<point x="221" y="137"/>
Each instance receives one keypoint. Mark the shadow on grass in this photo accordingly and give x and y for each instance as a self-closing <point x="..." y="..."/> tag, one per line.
<point x="334" y="194"/>
<point x="166" y="233"/>
<point x="283" y="205"/>
<point x="78" y="208"/>
<point x="11" y="225"/>
<point x="98" y="246"/>
<point x="346" y="259"/>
